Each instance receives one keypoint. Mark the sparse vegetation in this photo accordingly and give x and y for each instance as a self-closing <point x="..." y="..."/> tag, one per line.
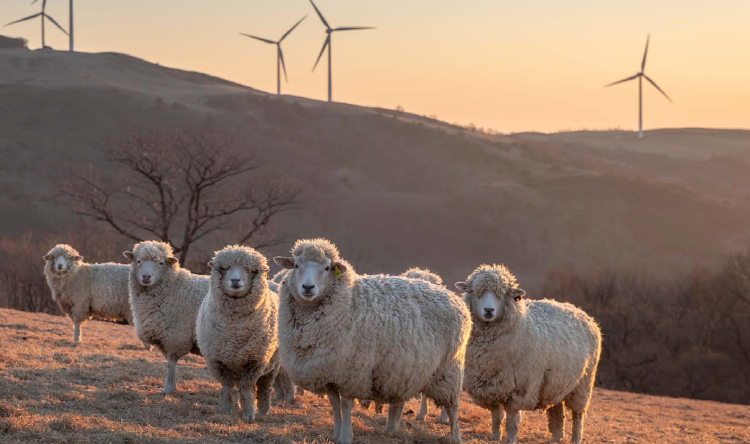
<point x="106" y="390"/>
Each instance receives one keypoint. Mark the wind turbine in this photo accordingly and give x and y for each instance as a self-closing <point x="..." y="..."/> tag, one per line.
<point x="640" y="76"/>
<point x="327" y="44"/>
<point x="43" y="15"/>
<point x="279" y="53"/>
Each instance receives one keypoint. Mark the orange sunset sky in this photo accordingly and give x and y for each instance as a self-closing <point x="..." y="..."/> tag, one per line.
<point x="511" y="66"/>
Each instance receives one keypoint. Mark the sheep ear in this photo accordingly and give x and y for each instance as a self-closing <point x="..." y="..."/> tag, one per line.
<point x="460" y="286"/>
<point x="284" y="262"/>
<point x="339" y="269"/>
<point x="78" y="258"/>
<point x="129" y="255"/>
<point x="211" y="264"/>
<point x="172" y="260"/>
<point x="47" y="257"/>
<point x="518" y="294"/>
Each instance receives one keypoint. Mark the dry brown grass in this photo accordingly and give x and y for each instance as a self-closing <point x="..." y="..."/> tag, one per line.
<point x="107" y="391"/>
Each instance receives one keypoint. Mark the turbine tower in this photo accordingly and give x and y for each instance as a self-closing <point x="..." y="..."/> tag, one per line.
<point x="44" y="16"/>
<point x="327" y="44"/>
<point x="70" y="26"/>
<point x="640" y="76"/>
<point x="279" y="53"/>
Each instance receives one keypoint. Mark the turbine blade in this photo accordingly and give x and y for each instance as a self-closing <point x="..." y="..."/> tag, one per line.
<point x="657" y="87"/>
<point x="353" y="28"/>
<point x="25" y="18"/>
<point x="291" y="29"/>
<point x="325" y="45"/>
<point x="623" y="80"/>
<point x="645" y="53"/>
<point x="56" y="24"/>
<point x="283" y="65"/>
<point x="322" y="19"/>
<point x="259" y="38"/>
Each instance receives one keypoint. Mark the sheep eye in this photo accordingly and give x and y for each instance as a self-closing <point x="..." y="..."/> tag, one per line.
<point x="254" y="272"/>
<point x="328" y="268"/>
<point x="161" y="263"/>
<point x="296" y="266"/>
<point x="139" y="262"/>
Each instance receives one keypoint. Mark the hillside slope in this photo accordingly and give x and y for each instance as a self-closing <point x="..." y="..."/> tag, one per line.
<point x="393" y="189"/>
<point x="107" y="390"/>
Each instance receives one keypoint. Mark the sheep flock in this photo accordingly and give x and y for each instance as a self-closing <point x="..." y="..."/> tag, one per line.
<point x="320" y="326"/>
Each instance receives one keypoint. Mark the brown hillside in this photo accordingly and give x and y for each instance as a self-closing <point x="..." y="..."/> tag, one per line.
<point x="107" y="390"/>
<point x="392" y="189"/>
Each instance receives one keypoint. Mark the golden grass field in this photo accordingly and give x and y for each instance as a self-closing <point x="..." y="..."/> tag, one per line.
<point x="107" y="391"/>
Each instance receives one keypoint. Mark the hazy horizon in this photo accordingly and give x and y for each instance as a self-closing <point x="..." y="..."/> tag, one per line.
<point x="537" y="66"/>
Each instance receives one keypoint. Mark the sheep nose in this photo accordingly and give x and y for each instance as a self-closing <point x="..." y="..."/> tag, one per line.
<point x="146" y="277"/>
<point x="308" y="287"/>
<point x="489" y="311"/>
<point x="235" y="281"/>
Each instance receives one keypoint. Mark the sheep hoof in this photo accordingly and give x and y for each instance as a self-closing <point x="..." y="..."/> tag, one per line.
<point x="495" y="436"/>
<point x="420" y="417"/>
<point x="510" y="440"/>
<point x="557" y="437"/>
<point x="167" y="390"/>
<point x="248" y="417"/>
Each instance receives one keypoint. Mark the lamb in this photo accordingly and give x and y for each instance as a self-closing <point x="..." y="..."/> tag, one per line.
<point x="526" y="355"/>
<point x="236" y="329"/>
<point x="83" y="290"/>
<point x="384" y="338"/>
<point x="165" y="299"/>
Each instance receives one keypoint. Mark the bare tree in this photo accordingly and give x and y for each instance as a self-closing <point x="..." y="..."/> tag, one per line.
<point x="181" y="187"/>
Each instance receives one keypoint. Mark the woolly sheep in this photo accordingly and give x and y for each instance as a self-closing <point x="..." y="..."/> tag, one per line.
<point x="429" y="276"/>
<point x="526" y="355"/>
<point x="83" y="291"/>
<point x="384" y="338"/>
<point x="165" y="299"/>
<point x="236" y="329"/>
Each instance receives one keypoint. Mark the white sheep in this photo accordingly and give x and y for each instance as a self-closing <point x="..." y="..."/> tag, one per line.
<point x="384" y="338"/>
<point x="236" y="329"/>
<point x="165" y="299"/>
<point x="433" y="278"/>
<point x="83" y="290"/>
<point x="526" y="355"/>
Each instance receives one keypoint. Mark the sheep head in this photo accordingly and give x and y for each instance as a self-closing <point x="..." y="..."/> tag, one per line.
<point x="491" y="291"/>
<point x="239" y="271"/>
<point x="62" y="258"/>
<point x="316" y="267"/>
<point x="151" y="260"/>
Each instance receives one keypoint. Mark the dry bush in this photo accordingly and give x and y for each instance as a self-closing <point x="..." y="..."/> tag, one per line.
<point x="685" y="335"/>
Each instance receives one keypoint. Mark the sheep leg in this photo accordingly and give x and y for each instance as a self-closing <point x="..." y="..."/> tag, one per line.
<point x="556" y="422"/>
<point x="247" y="400"/>
<point x="264" y="385"/>
<point x="378" y="408"/>
<point x="497" y="418"/>
<point x="424" y="408"/>
<point x="77" y="333"/>
<point x="443" y="418"/>
<point x="577" y="435"/>
<point x="395" y="411"/>
<point x="169" y="384"/>
<point x="333" y="398"/>
<point x="346" y="434"/>
<point x="225" y="401"/>
<point x="452" y="412"/>
<point x="512" y="420"/>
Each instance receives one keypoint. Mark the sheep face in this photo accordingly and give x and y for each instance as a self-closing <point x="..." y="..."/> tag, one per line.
<point x="490" y="291"/>
<point x="239" y="271"/>
<point x="150" y="262"/>
<point x="61" y="258"/>
<point x="311" y="278"/>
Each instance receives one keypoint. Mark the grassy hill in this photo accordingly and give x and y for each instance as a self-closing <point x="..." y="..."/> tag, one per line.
<point x="107" y="390"/>
<point x="393" y="189"/>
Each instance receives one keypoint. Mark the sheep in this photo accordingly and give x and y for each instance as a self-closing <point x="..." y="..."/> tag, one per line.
<point x="384" y="338"/>
<point x="429" y="276"/>
<point x="83" y="290"/>
<point x="165" y="299"/>
<point x="236" y="329"/>
<point x="526" y="355"/>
